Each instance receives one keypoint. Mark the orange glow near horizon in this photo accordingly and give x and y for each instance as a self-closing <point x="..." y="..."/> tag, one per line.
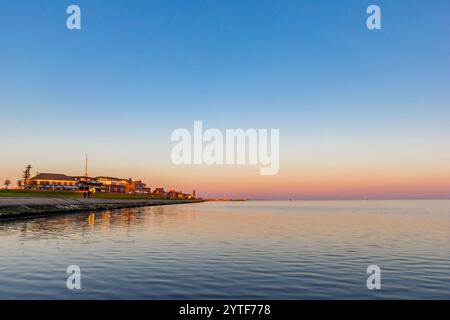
<point x="314" y="177"/>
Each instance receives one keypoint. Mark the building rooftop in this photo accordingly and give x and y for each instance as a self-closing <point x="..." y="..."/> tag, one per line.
<point x="112" y="178"/>
<point x="53" y="176"/>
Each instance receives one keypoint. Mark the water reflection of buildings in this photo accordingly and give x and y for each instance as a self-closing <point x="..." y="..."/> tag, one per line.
<point x="91" y="219"/>
<point x="124" y="226"/>
<point x="83" y="226"/>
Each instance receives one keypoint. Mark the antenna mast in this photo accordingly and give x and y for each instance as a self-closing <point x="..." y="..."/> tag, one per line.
<point x="86" y="167"/>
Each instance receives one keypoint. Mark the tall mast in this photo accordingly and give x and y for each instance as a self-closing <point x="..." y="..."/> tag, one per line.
<point x="86" y="167"/>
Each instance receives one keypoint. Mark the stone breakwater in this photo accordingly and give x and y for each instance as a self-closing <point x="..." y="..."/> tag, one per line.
<point x="14" y="208"/>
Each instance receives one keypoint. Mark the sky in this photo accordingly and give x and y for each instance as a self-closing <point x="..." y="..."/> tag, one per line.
<point x="362" y="113"/>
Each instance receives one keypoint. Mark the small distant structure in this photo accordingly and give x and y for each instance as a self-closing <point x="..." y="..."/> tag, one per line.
<point x="179" y="195"/>
<point x="141" y="188"/>
<point x="159" y="192"/>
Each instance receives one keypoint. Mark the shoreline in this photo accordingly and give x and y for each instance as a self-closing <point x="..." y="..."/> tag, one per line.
<point x="12" y="208"/>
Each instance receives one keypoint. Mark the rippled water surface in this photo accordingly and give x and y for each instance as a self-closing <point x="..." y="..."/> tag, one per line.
<point x="215" y="250"/>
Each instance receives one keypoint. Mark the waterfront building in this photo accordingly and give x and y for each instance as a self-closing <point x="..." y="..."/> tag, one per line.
<point x="52" y="181"/>
<point x="141" y="188"/>
<point x="116" y="185"/>
<point x="62" y="182"/>
<point x="179" y="195"/>
<point x="159" y="192"/>
<point x="88" y="183"/>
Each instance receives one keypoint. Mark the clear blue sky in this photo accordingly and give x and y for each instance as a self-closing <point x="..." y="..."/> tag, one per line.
<point x="139" y="69"/>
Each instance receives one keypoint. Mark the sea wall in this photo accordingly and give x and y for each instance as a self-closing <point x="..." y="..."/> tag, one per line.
<point x="14" y="207"/>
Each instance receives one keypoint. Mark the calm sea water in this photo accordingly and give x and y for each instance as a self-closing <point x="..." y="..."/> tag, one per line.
<point x="233" y="250"/>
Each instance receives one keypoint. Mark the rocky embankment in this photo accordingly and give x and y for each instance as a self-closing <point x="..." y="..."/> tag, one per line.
<point x="15" y="207"/>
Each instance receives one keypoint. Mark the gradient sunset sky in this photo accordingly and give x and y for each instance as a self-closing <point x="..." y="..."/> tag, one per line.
<point x="361" y="113"/>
